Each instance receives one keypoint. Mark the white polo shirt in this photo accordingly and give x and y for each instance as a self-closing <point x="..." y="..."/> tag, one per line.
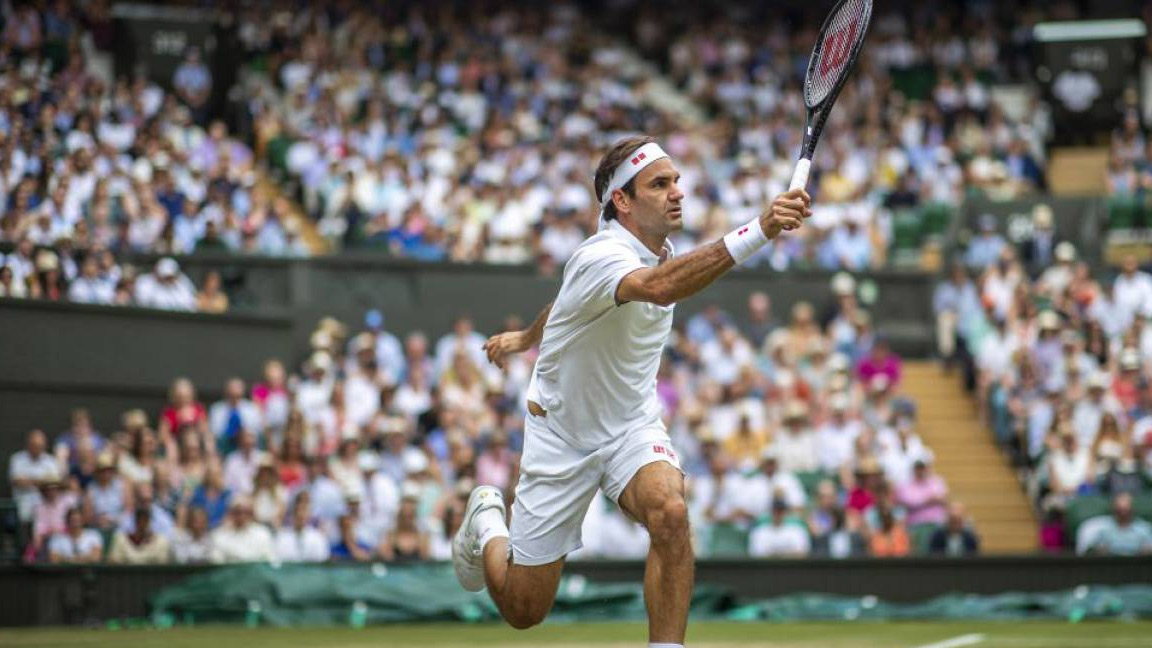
<point x="306" y="545"/>
<point x="596" y="372"/>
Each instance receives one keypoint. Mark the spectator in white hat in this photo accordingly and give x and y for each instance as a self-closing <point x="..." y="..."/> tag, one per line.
<point x="240" y="538"/>
<point x="1056" y="278"/>
<point x="314" y="392"/>
<point x="50" y="511"/>
<point x="107" y="496"/>
<point x="363" y="382"/>
<point x="166" y="288"/>
<point x="795" y="444"/>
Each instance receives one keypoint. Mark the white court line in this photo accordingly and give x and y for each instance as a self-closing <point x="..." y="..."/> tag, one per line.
<point x="956" y="642"/>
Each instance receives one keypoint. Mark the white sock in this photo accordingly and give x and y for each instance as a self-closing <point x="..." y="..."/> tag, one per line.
<point x="665" y="645"/>
<point x="490" y="524"/>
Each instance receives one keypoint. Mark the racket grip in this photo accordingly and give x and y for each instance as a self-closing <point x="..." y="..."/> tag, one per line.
<point x="800" y="175"/>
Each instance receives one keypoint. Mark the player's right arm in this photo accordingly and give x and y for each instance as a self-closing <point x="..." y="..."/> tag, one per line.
<point x="687" y="275"/>
<point x="500" y="346"/>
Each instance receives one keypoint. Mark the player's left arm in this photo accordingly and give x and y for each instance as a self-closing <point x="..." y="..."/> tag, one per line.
<point x="500" y="346"/>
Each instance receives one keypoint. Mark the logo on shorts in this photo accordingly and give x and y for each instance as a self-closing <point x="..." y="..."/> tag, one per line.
<point x="664" y="450"/>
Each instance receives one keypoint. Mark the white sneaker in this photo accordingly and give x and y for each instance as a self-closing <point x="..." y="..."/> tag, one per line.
<point x="467" y="555"/>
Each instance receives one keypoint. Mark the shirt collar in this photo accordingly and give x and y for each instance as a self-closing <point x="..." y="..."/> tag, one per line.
<point x="619" y="231"/>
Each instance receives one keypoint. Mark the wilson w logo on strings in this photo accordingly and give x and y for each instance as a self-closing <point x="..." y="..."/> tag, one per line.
<point x="837" y="47"/>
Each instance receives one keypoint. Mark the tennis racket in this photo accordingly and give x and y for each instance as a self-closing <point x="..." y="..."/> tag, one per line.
<point x="837" y="47"/>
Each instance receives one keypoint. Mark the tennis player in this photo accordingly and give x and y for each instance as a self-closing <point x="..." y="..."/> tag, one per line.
<point x="593" y="416"/>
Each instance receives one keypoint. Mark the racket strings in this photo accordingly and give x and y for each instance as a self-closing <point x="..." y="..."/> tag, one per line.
<point x="832" y="54"/>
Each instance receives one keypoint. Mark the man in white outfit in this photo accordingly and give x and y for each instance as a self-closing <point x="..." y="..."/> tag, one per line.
<point x="594" y="418"/>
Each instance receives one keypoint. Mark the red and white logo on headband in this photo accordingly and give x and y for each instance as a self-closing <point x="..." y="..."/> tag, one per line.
<point x="643" y="156"/>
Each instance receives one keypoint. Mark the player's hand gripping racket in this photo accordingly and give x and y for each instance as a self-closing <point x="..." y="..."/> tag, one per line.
<point x="837" y="47"/>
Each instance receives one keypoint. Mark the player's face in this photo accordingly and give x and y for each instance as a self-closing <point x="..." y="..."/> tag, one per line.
<point x="656" y="207"/>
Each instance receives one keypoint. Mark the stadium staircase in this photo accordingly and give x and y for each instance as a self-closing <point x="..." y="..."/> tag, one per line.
<point x="316" y="243"/>
<point x="1078" y="171"/>
<point x="978" y="474"/>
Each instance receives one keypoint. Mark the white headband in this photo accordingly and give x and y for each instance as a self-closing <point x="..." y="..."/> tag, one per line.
<point x="627" y="170"/>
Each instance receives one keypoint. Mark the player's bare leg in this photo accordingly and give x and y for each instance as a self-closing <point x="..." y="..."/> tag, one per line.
<point x="655" y="497"/>
<point x="524" y="595"/>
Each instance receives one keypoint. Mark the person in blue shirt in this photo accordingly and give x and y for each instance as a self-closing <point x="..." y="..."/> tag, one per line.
<point x="212" y="496"/>
<point x="348" y="547"/>
<point x="1122" y="534"/>
<point x="850" y="245"/>
<point x="985" y="248"/>
<point x="954" y="302"/>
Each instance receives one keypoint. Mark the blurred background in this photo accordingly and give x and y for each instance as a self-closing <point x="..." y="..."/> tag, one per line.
<point x="249" y="252"/>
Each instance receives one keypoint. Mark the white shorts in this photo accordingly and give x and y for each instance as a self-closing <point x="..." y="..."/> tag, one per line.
<point x="558" y="482"/>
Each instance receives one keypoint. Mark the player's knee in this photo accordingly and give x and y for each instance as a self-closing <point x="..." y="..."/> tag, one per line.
<point x="668" y="521"/>
<point x="525" y="615"/>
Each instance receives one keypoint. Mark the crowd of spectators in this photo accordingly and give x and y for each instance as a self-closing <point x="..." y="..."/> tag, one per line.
<point x="1059" y="359"/>
<point x="916" y="124"/>
<point x="1129" y="161"/>
<point x="793" y="435"/>
<point x="94" y="169"/>
<point x="471" y="136"/>
<point x="463" y="133"/>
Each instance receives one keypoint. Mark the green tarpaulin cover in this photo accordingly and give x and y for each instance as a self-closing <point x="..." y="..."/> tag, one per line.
<point x="359" y="595"/>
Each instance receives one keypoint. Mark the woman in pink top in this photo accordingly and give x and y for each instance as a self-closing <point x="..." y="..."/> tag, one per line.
<point x="880" y="360"/>
<point x="494" y="465"/>
<point x="925" y="496"/>
<point x="862" y="495"/>
<point x="49" y="515"/>
<point x="272" y="395"/>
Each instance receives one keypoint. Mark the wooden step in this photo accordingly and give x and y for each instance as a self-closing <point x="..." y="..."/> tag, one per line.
<point x="1078" y="171"/>
<point x="977" y="472"/>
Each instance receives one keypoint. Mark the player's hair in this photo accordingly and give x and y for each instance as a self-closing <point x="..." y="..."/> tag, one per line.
<point x="612" y="159"/>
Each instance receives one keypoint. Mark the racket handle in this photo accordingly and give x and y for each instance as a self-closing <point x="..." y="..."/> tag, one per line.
<point x="800" y="175"/>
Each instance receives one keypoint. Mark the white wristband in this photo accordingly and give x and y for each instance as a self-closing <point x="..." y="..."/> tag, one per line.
<point x="745" y="240"/>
